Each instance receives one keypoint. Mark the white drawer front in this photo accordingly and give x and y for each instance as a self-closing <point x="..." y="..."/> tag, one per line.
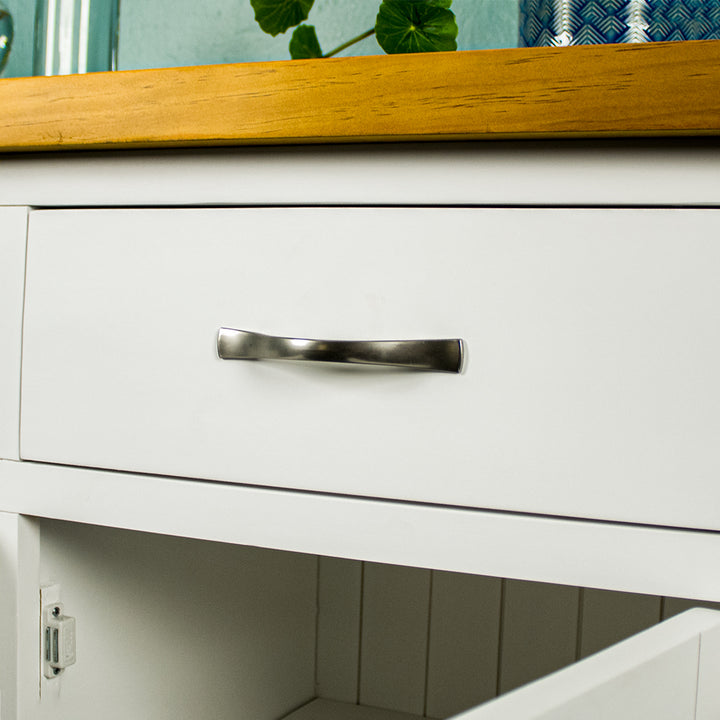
<point x="591" y="388"/>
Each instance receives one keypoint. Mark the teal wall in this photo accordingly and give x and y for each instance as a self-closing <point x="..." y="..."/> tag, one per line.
<point x="20" y="60"/>
<point x="187" y="32"/>
<point x="167" y="33"/>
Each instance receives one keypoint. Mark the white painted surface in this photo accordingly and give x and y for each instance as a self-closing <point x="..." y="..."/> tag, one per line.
<point x="651" y="675"/>
<point x="170" y="628"/>
<point x="106" y="572"/>
<point x="487" y="173"/>
<point x="627" y="558"/>
<point x="656" y="561"/>
<point x="13" y="232"/>
<point x="708" y="692"/>
<point x="543" y="628"/>
<point x="19" y="616"/>
<point x="591" y="388"/>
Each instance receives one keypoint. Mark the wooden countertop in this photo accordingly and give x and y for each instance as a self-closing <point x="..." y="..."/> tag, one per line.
<point x="655" y="89"/>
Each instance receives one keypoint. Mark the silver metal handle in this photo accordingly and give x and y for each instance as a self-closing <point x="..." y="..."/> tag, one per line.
<point x="442" y="355"/>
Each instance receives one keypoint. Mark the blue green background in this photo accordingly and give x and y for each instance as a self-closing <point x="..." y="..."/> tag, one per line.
<point x="168" y="33"/>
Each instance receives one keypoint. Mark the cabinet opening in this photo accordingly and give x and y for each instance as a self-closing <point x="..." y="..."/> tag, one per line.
<point x="170" y="627"/>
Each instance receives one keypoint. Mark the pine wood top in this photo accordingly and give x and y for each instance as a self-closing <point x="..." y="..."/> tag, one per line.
<point x="585" y="91"/>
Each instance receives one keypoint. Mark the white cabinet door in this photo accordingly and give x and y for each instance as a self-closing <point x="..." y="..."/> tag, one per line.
<point x="13" y="232"/>
<point x="593" y="337"/>
<point x="668" y="672"/>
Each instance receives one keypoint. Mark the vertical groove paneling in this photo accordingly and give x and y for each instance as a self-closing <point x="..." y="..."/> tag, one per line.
<point x="539" y="631"/>
<point x="360" y="633"/>
<point x="501" y="636"/>
<point x="673" y="606"/>
<point x="437" y="642"/>
<point x="608" y="617"/>
<point x="579" y="633"/>
<point x="463" y="643"/>
<point x="431" y="599"/>
<point x="338" y="629"/>
<point x="394" y="637"/>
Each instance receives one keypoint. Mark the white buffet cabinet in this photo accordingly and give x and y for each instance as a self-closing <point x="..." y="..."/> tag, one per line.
<point x="318" y="541"/>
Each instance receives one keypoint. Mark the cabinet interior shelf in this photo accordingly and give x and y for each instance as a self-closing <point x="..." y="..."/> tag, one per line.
<point x="322" y="709"/>
<point x="653" y="89"/>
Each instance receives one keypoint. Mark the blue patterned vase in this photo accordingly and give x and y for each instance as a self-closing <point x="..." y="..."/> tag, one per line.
<point x="589" y="22"/>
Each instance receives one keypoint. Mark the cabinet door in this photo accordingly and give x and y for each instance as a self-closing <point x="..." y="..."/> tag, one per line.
<point x="668" y="672"/>
<point x="590" y="388"/>
<point x="13" y="232"/>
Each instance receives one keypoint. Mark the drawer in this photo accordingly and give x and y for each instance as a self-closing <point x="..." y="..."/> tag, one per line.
<point x="590" y="387"/>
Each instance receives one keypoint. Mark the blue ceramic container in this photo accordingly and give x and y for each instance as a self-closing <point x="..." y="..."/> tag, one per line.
<point x="589" y="22"/>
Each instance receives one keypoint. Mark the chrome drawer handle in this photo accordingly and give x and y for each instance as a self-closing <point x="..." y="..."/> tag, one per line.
<point x="443" y="355"/>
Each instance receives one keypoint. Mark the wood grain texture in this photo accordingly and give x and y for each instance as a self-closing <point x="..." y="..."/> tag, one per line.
<point x="583" y="91"/>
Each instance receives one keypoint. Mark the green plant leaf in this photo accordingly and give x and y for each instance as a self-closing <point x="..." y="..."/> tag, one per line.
<point x="410" y="26"/>
<point x="277" y="16"/>
<point x="304" y="43"/>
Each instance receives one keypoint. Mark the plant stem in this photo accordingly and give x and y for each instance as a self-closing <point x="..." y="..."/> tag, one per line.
<point x="347" y="44"/>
